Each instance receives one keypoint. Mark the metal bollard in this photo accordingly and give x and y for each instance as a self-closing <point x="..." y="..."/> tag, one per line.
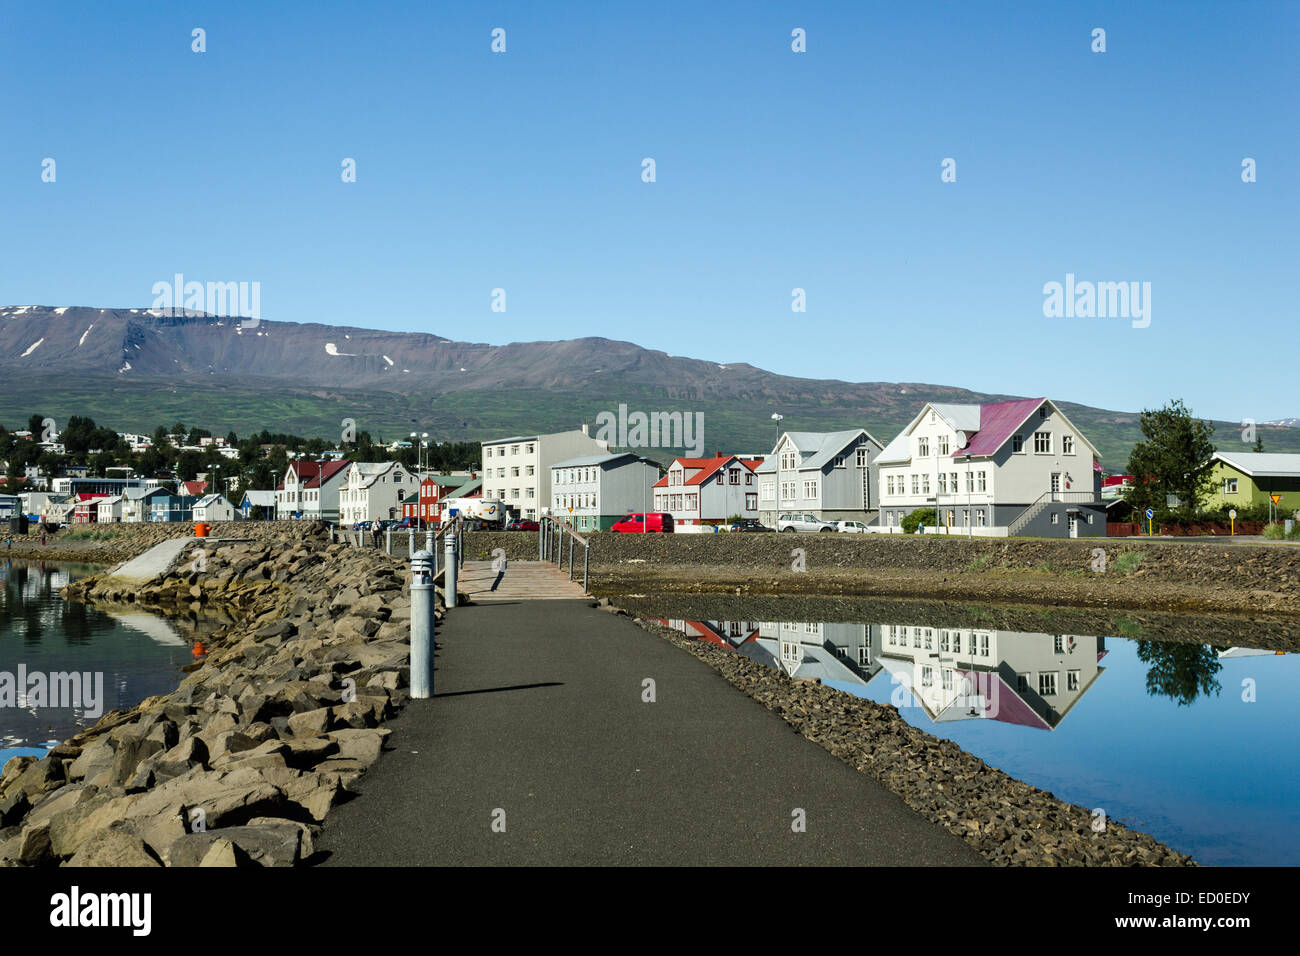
<point x="586" y="553"/>
<point x="388" y="541"/>
<point x="410" y="541"/>
<point x="449" y="579"/>
<point x="570" y="557"/>
<point x="422" y="623"/>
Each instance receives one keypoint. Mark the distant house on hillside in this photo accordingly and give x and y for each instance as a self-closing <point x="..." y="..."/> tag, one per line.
<point x="310" y="489"/>
<point x="373" y="490"/>
<point x="997" y="469"/>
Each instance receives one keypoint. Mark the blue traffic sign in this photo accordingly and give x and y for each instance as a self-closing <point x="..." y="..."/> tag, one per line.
<point x="1151" y="512"/>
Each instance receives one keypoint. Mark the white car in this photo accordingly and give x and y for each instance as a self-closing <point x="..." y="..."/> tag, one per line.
<point x="851" y="527"/>
<point x="802" y="522"/>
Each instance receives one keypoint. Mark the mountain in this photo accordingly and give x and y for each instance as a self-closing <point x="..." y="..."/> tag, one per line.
<point x="134" y="369"/>
<point x="1284" y="423"/>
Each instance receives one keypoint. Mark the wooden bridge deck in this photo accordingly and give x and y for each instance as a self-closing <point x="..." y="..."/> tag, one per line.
<point x="522" y="581"/>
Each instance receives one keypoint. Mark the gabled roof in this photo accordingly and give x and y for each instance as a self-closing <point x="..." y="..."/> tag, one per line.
<point x="208" y="500"/>
<point x="263" y="498"/>
<point x="192" y="487"/>
<point x="817" y="448"/>
<point x="998" y="421"/>
<point x="1261" y="464"/>
<point x="470" y="488"/>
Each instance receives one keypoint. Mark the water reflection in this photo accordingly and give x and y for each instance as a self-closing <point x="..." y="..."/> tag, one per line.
<point x="50" y="648"/>
<point x="1190" y="742"/>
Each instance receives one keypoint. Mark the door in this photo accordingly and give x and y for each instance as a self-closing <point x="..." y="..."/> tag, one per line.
<point x="1056" y="484"/>
<point x="1074" y="525"/>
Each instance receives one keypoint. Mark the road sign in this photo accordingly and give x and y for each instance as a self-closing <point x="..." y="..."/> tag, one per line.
<point x="1233" y="514"/>
<point x="1276" y="498"/>
<point x="1151" y="512"/>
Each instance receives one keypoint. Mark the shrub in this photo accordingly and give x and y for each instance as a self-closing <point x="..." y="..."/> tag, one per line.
<point x="1275" y="531"/>
<point x="918" y="517"/>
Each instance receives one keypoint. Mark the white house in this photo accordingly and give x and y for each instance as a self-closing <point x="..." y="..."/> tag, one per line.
<point x="373" y="490"/>
<point x="708" y="490"/>
<point x="517" y="470"/>
<point x="826" y="474"/>
<point x="997" y="469"/>
<point x="310" y="489"/>
<point x="213" y="508"/>
<point x="109" y="509"/>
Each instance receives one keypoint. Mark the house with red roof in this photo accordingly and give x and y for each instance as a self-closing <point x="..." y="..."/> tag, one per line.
<point x="310" y="489"/>
<point x="998" y="469"/>
<point x="708" y="490"/>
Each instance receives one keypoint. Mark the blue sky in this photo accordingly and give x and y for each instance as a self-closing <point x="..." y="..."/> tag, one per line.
<point x="775" y="170"/>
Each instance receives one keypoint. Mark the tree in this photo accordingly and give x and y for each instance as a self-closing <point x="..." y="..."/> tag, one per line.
<point x="36" y="424"/>
<point x="1181" y="672"/>
<point x="1174" y="458"/>
<point x="1259" y="442"/>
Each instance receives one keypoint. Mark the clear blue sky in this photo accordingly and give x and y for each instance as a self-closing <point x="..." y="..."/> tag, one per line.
<point x="775" y="170"/>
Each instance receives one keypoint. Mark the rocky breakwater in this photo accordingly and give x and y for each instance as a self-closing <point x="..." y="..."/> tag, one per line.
<point x="243" y="761"/>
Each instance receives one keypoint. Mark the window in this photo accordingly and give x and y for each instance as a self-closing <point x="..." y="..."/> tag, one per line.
<point x="862" y="458"/>
<point x="810" y="488"/>
<point x="514" y="492"/>
<point x="929" y="639"/>
<point x="532" y="493"/>
<point x="945" y="643"/>
<point x="751" y="502"/>
<point x="767" y="490"/>
<point x="1017" y="443"/>
<point x="1056" y="518"/>
<point x="925" y="484"/>
<point x="947" y="679"/>
<point x="1047" y="684"/>
<point x="1042" y="411"/>
<point x="514" y="472"/>
<point x="528" y="449"/>
<point x="889" y="485"/>
<point x="927" y="676"/>
<point x="970" y="481"/>
<point x="787" y="491"/>
<point x="1229" y="486"/>
<point x="923" y="448"/>
<point x="943" y="482"/>
<point x="943" y="445"/>
<point x="1067" y="444"/>
<point x="1043" y="443"/>
<point x="956" y="642"/>
<point x="979" y="518"/>
<point x="1022" y="683"/>
<point x="1072" y="680"/>
<point x="839" y="461"/>
<point x="487" y="452"/>
<point x="735" y="476"/>
<point x="1058" y="644"/>
<point x="982" y="480"/>
<point x="514" y="449"/>
<point x="916" y="483"/>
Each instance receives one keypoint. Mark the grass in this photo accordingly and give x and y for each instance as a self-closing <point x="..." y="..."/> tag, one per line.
<point x="978" y="564"/>
<point x="1127" y="562"/>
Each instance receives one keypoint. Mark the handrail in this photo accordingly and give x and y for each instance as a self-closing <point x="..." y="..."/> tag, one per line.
<point x="1031" y="511"/>
<point x="549" y="528"/>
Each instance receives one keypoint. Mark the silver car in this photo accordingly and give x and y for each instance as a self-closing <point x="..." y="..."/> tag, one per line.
<point x="851" y="527"/>
<point x="802" y="522"/>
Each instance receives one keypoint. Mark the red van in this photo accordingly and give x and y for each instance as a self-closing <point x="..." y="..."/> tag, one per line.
<point x="642" y="523"/>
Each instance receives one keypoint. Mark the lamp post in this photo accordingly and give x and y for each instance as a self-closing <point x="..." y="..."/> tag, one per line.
<point x="419" y="474"/>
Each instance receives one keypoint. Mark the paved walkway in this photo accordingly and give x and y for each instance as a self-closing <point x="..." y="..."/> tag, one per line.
<point x="156" y="560"/>
<point x="521" y="581"/>
<point x="538" y="712"/>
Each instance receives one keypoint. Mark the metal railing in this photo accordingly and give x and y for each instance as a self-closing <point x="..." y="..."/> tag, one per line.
<point x="1045" y="499"/>
<point x="551" y="536"/>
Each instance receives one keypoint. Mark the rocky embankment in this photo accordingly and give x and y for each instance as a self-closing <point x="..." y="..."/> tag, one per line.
<point x="111" y="543"/>
<point x="241" y="763"/>
<point x="1009" y="822"/>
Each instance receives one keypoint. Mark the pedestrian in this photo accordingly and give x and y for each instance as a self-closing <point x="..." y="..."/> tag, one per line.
<point x="42" y="539"/>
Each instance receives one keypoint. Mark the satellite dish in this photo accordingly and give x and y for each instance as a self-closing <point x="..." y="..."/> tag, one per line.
<point x="962" y="439"/>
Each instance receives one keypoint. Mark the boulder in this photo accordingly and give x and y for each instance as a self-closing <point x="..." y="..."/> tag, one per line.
<point x="115" y="848"/>
<point x="269" y="842"/>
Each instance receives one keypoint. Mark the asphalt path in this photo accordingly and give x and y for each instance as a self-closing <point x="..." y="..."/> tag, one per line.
<point x="539" y="748"/>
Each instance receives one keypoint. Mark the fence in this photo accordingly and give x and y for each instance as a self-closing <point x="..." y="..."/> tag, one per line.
<point x="551" y="537"/>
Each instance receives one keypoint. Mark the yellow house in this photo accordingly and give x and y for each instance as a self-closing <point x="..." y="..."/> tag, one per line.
<point x="1242" y="479"/>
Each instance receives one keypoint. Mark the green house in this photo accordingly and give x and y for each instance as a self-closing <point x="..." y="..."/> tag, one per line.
<point x="1242" y="479"/>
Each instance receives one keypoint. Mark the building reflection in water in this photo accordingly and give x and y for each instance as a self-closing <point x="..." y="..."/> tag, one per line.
<point x="1028" y="679"/>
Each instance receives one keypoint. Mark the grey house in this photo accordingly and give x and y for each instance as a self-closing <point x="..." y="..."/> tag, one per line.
<point x="594" y="491"/>
<point x="828" y="474"/>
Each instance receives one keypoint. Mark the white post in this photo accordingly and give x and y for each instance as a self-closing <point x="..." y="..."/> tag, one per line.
<point x="449" y="575"/>
<point x="388" y="540"/>
<point x="422" y="624"/>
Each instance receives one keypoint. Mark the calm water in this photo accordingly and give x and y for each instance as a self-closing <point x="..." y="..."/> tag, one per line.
<point x="126" y="657"/>
<point x="1196" y="745"/>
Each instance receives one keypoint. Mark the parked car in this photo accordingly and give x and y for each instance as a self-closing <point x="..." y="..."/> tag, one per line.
<point x="361" y="526"/>
<point x="525" y="525"/>
<point x="851" y="527"/>
<point x="749" y="524"/>
<point x="802" y="522"/>
<point x="650" y="522"/>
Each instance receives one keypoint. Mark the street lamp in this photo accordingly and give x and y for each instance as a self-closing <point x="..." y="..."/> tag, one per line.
<point x="419" y="476"/>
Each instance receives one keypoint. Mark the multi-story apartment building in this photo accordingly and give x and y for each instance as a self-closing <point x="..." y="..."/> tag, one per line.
<point x="517" y="471"/>
<point x="375" y="490"/>
<point x="594" y="491"/>
<point x="1001" y="468"/>
<point x="708" y="490"/>
<point x="827" y="474"/>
